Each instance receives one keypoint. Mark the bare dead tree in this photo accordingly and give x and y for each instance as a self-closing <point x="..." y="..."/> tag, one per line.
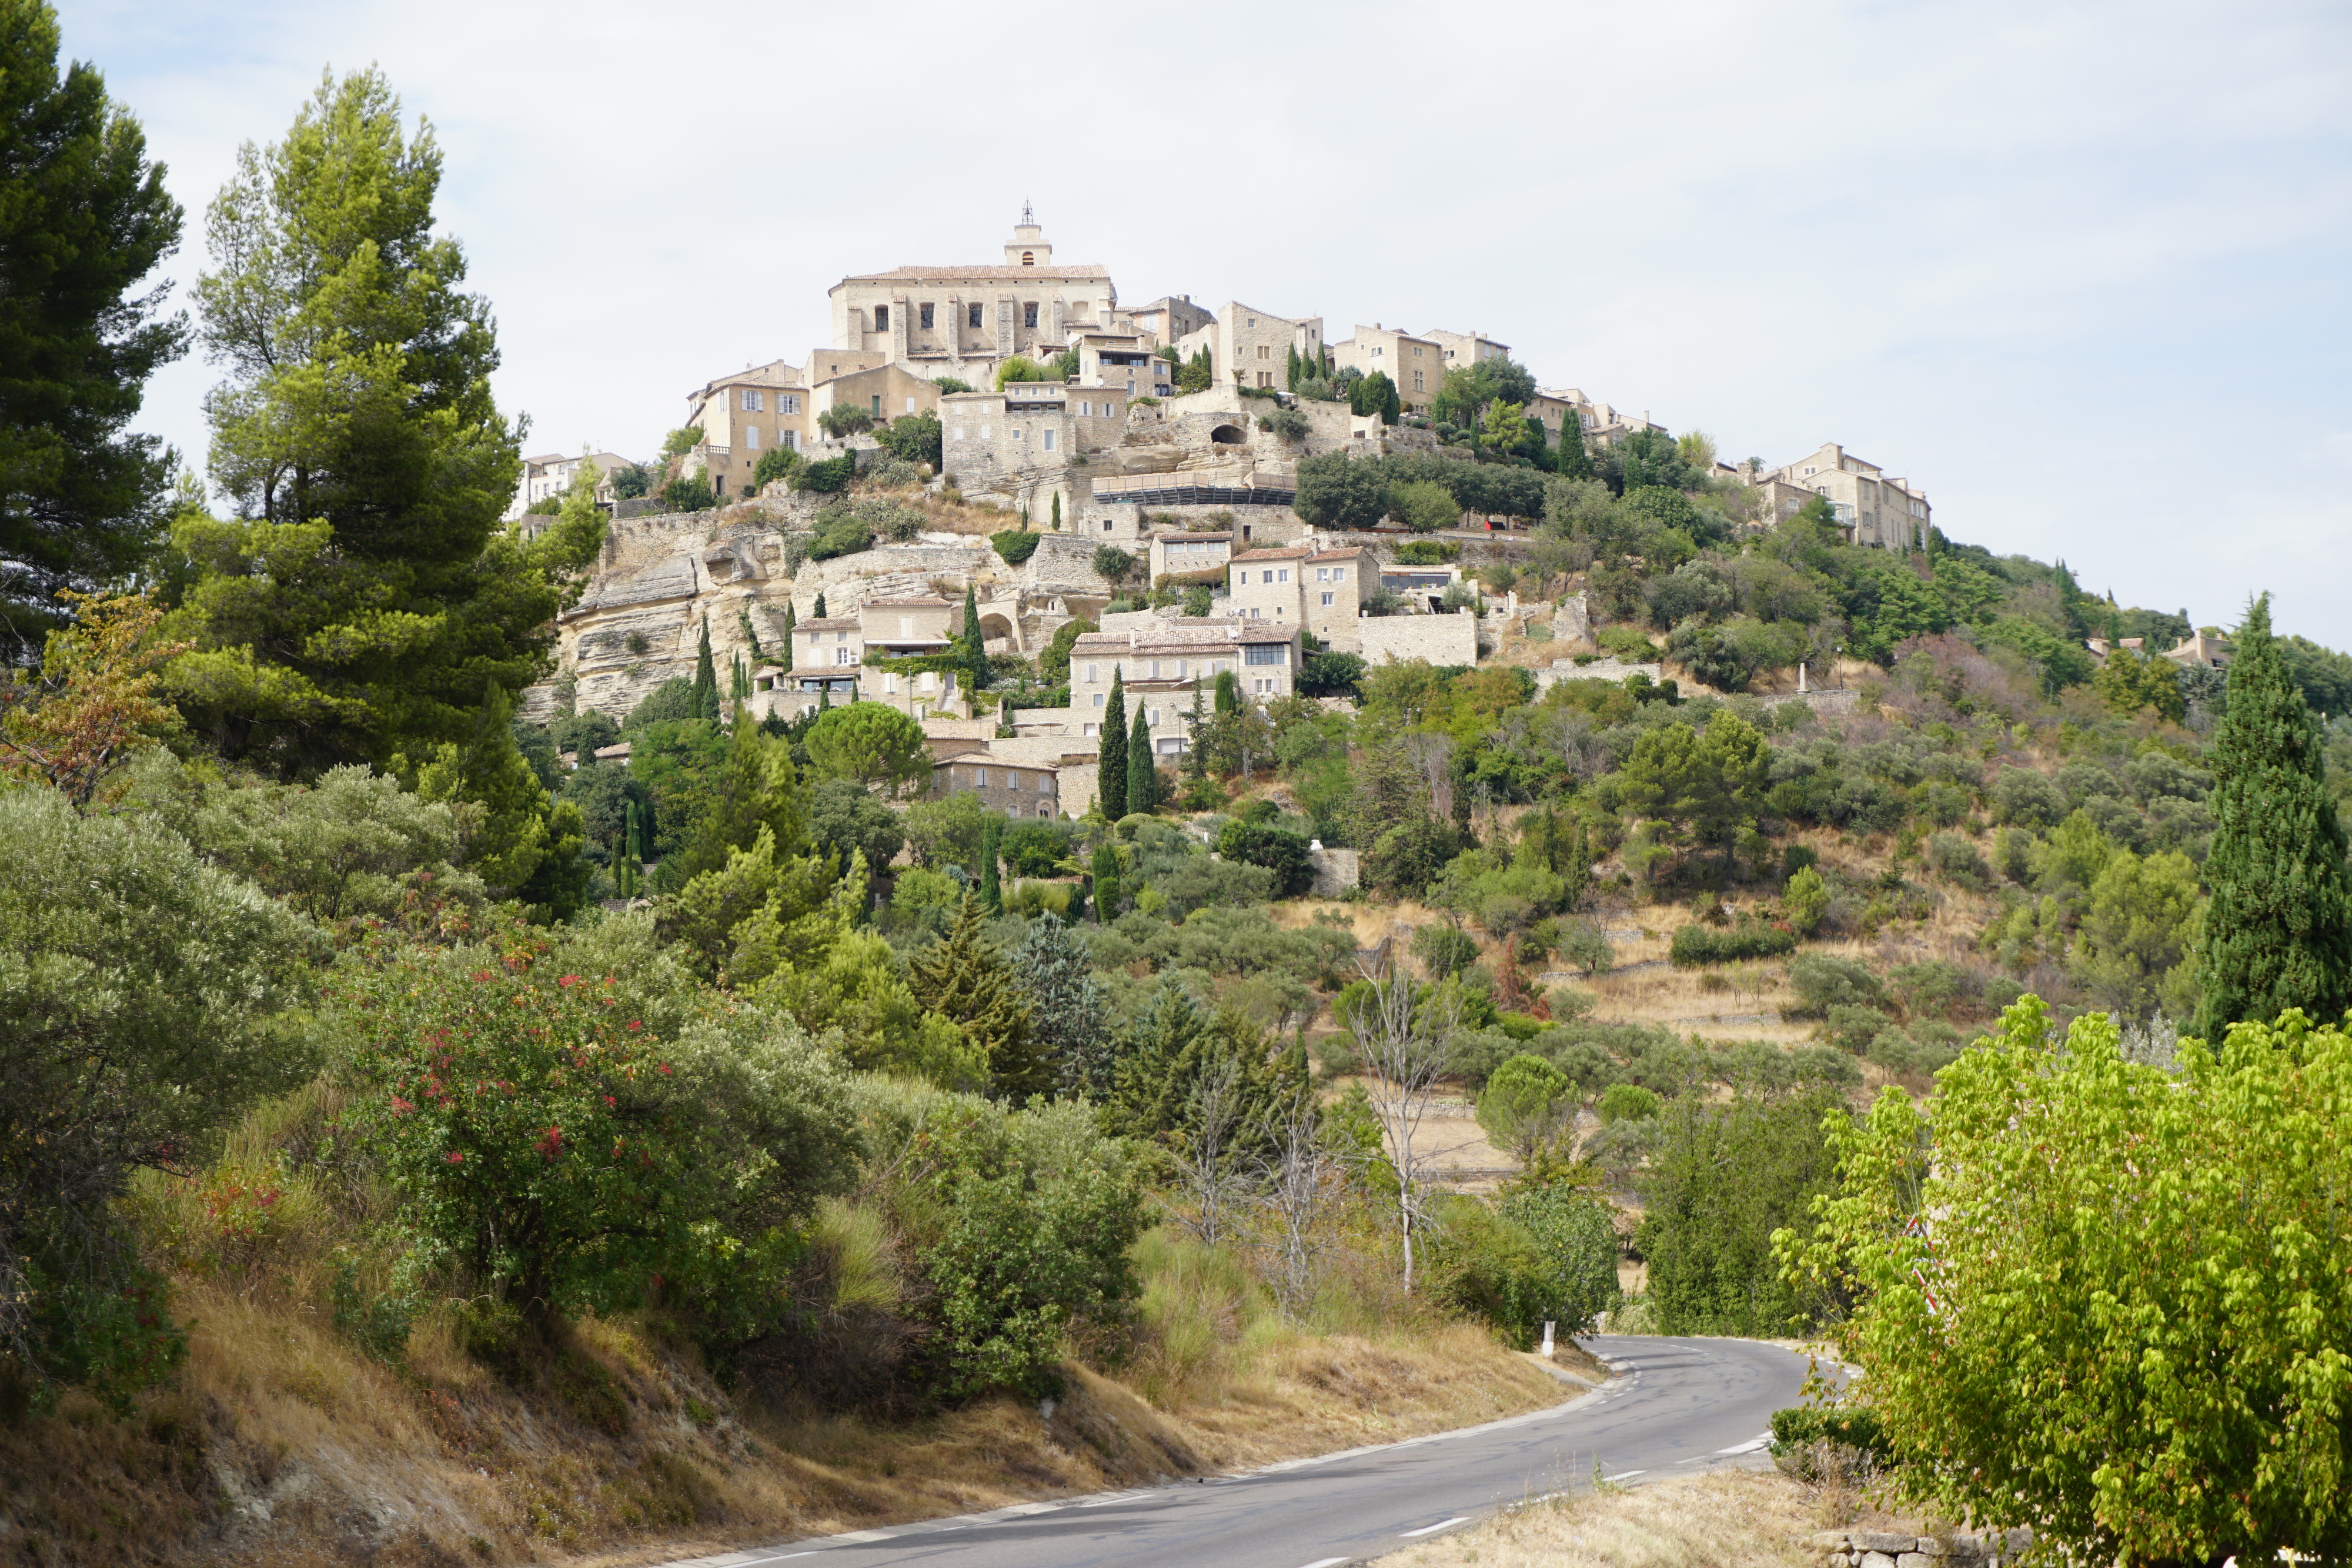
<point x="1404" y="1031"/>
<point x="1292" y="1191"/>
<point x="1207" y="1169"/>
<point x="1432" y="756"/>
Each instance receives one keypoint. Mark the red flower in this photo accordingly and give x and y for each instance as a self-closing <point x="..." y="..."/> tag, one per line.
<point x="551" y="1143"/>
<point x="454" y="1157"/>
<point x="608" y="1103"/>
<point x="636" y="1023"/>
<point x="568" y="981"/>
<point x="664" y="1067"/>
<point x="401" y="1107"/>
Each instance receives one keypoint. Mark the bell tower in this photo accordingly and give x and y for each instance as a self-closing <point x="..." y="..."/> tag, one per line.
<point x="1030" y="247"/>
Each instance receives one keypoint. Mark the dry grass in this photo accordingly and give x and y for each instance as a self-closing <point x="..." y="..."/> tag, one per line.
<point x="1733" y="1519"/>
<point x="281" y="1443"/>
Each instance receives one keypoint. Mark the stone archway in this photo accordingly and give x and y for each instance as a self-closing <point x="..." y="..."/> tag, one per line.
<point x="1228" y="436"/>
<point x="995" y="627"/>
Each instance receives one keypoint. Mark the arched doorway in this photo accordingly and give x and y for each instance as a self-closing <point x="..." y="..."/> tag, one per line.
<point x="1228" y="436"/>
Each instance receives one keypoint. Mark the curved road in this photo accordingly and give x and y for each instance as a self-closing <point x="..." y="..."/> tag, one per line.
<point x="1675" y="1406"/>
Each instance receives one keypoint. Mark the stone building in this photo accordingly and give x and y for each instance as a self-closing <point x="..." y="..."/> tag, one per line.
<point x="1016" y="444"/>
<point x="1163" y="660"/>
<point x="884" y="391"/>
<point x="1872" y="506"/>
<point x="1190" y="555"/>
<point x="742" y="415"/>
<point x="1252" y="347"/>
<point x="966" y="320"/>
<point x="1015" y="789"/>
<point x="547" y="476"/>
<point x="1416" y="365"/>
<point x="1169" y="319"/>
<point x="1466" y="349"/>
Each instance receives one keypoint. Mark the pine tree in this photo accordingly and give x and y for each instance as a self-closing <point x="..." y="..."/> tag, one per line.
<point x="1143" y="780"/>
<point x="1572" y="461"/>
<point x="818" y="608"/>
<point x="706" y="680"/>
<point x="758" y="788"/>
<point x="992" y="886"/>
<point x="2278" y="931"/>
<point x="975" y="648"/>
<point x="967" y="980"/>
<point x="1196" y="754"/>
<point x="84" y="220"/>
<point x="1110" y="768"/>
<point x="1106" y="881"/>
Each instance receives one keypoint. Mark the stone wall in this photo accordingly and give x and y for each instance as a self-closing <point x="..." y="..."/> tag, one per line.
<point x="1894" y="1549"/>
<point x="1336" y="871"/>
<point x="1607" y="669"/>
<point x="1397" y="639"/>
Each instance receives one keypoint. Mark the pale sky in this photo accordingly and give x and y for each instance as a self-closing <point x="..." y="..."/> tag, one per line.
<point x="2077" y="270"/>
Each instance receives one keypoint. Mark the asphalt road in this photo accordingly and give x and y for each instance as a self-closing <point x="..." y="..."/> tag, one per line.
<point x="1676" y="1405"/>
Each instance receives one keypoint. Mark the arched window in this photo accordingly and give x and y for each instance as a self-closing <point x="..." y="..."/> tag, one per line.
<point x="1028" y="258"/>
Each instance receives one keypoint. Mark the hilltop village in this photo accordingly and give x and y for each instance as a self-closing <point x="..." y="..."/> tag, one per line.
<point x="1117" y="487"/>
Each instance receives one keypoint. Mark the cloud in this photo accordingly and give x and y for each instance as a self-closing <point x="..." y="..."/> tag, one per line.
<point x="2075" y="268"/>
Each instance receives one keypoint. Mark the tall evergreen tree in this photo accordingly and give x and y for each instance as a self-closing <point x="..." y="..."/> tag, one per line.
<point x="1143" y="779"/>
<point x="365" y="590"/>
<point x="1572" y="461"/>
<point x="1290" y="369"/>
<point x="966" y="980"/>
<point x="975" y="648"/>
<point x="706" y="679"/>
<point x="1068" y="1006"/>
<point x="1110" y="766"/>
<point x="1106" y="884"/>
<point x="792" y="623"/>
<point x="1196" y="750"/>
<point x="991" y="884"/>
<point x="1229" y="693"/>
<point x="2278" y="931"/>
<point x="84" y="219"/>
<point x="818" y="608"/>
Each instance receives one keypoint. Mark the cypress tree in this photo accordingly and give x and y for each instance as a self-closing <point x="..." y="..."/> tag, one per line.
<point x="1110" y="768"/>
<point x="1196" y="755"/>
<point x="1290" y="369"/>
<point x="1142" y="780"/>
<point x="975" y="647"/>
<point x="1229" y="693"/>
<point x="2278" y="931"/>
<point x="818" y="608"/>
<point x="1106" y="881"/>
<point x="1572" y="461"/>
<point x="706" y="678"/>
<point x="967" y="980"/>
<point x="790" y="621"/>
<point x="1057" y="511"/>
<point x="991" y="887"/>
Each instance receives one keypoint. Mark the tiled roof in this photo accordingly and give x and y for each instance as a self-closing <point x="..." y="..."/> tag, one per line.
<point x="1295" y="553"/>
<point x="1339" y="554"/>
<point x="953" y="274"/>
<point x="1211" y="539"/>
<point x="920" y="600"/>
<point x="830" y="624"/>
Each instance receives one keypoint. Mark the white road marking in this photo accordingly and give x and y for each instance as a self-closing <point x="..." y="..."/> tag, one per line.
<point x="1748" y="1447"/>
<point x="1433" y="1529"/>
<point x="1329" y="1562"/>
<point x="1625" y="1475"/>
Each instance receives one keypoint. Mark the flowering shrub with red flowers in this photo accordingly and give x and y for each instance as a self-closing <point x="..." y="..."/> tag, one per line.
<point x="563" y="1138"/>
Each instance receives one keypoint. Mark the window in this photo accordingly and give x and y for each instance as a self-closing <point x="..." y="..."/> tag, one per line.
<point x="1416" y="382"/>
<point x="1049" y="441"/>
<point x="1180" y="669"/>
<point x="1093" y="674"/>
<point x="1266" y="378"/>
<point x="845" y="655"/>
<point x="1151" y="720"/>
<point x="752" y="436"/>
<point x="890" y="684"/>
<point x="881" y="318"/>
<point x="925" y="309"/>
<point x="1283" y="576"/>
<point x="1377" y="353"/>
<point x="980" y="777"/>
<point x="1264" y="350"/>
<point x="1045" y="809"/>
<point x="958" y="433"/>
<point x="877" y="409"/>
<point x="1086" y="410"/>
<point x="750" y="401"/>
<point x="983" y="432"/>
<point x="788" y="403"/>
<point x="1339" y="574"/>
<point x="1326" y="601"/>
<point x="1265" y="653"/>
<point x="1416" y="350"/>
<point x="1323" y="574"/>
<point x="1029" y="258"/>
<point x="1028" y="310"/>
<point x="1261" y="687"/>
<point x="1106" y="525"/>
<point x="972" y="316"/>
<point x="1098" y="702"/>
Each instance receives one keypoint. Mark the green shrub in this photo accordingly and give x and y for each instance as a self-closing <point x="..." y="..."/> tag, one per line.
<point x="1015" y="546"/>
<point x="1722" y="1178"/>
<point x="1582" y="944"/>
<point x="1444" y="950"/>
<point x="1426" y="552"/>
<point x="1279" y="851"/>
<point x="1822" y="982"/>
<point x="830" y="476"/>
<point x="1627" y="1102"/>
<point x="1815" y="1443"/>
<point x="1958" y="862"/>
<point x="839" y="533"/>
<point x="1032" y="847"/>
<point x="1897" y="1050"/>
<point x="1695" y="945"/>
<point x="1520" y="1108"/>
<point x="1542" y="1255"/>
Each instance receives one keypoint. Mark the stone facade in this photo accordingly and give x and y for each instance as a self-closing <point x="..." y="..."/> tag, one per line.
<point x="1163" y="660"/>
<point x="1336" y="871"/>
<point x="1899" y="1548"/>
<point x="546" y="477"/>
<point x="1252" y="347"/>
<point x="1015" y="789"/>
<point x="1873" y="507"/>
<point x="1415" y="364"/>
<point x="1400" y="639"/>
<point x="965" y="321"/>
